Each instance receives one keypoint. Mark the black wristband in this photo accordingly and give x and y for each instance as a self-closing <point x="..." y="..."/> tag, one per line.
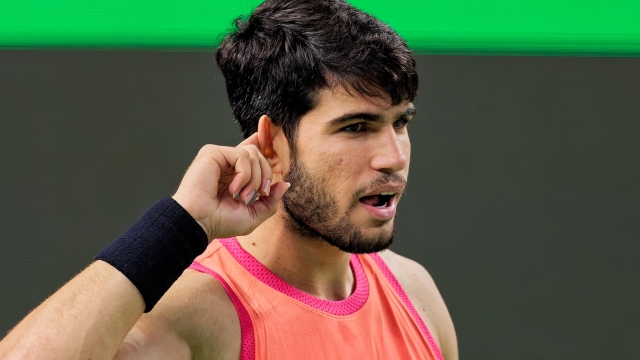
<point x="155" y="251"/>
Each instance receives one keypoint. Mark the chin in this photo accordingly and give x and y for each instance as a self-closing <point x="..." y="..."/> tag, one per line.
<point x="378" y="228"/>
<point x="370" y="245"/>
<point x="374" y="240"/>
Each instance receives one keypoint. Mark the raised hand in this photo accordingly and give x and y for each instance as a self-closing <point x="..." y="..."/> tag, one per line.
<point x="228" y="190"/>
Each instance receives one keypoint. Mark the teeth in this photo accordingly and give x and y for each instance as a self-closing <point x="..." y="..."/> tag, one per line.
<point x="387" y="193"/>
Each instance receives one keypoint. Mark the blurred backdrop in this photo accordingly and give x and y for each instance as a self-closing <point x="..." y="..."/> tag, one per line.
<point x="523" y="198"/>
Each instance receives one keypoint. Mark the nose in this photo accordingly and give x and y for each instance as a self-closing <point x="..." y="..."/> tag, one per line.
<point x="391" y="151"/>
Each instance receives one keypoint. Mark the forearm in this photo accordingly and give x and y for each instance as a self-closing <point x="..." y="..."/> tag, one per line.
<point x="87" y="318"/>
<point x="91" y="315"/>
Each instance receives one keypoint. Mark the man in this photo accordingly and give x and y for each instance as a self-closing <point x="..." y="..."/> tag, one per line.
<point x="322" y="93"/>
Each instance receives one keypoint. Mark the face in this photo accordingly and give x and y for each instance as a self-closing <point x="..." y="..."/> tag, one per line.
<point x="348" y="171"/>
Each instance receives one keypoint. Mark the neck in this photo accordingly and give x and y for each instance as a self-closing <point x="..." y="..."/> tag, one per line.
<point x="310" y="265"/>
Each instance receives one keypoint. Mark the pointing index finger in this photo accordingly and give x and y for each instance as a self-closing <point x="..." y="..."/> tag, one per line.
<point x="251" y="140"/>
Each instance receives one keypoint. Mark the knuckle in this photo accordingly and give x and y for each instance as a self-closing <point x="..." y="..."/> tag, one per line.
<point x="243" y="155"/>
<point x="255" y="153"/>
<point x="207" y="149"/>
<point x="251" y="147"/>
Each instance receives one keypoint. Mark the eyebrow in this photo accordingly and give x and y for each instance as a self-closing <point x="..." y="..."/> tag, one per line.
<point x="370" y="117"/>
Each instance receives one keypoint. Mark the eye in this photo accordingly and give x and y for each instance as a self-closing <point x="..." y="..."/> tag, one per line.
<point x="354" y="128"/>
<point x="401" y="123"/>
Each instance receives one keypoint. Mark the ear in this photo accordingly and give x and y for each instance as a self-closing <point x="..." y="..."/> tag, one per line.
<point x="267" y="133"/>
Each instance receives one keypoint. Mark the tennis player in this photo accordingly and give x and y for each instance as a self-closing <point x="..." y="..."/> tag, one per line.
<point x="275" y="248"/>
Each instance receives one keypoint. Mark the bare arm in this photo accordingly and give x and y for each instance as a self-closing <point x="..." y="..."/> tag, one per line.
<point x="194" y="320"/>
<point x="91" y="315"/>
<point x="87" y="318"/>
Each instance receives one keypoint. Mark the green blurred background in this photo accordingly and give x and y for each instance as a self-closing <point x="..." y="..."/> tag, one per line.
<point x="459" y="26"/>
<point x="523" y="199"/>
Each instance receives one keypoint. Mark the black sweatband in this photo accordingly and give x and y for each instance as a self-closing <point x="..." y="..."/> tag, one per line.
<point x="155" y="251"/>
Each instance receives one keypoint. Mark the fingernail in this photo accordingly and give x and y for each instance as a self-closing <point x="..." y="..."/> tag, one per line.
<point x="288" y="185"/>
<point x="236" y="196"/>
<point x="249" y="199"/>
<point x="267" y="187"/>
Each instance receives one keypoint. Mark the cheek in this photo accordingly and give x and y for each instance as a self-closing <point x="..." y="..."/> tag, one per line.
<point x="405" y="146"/>
<point x="339" y="171"/>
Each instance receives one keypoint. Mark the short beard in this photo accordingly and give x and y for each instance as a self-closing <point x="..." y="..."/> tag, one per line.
<point x="309" y="208"/>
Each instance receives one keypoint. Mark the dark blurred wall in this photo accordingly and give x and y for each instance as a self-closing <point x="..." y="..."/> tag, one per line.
<point x="523" y="198"/>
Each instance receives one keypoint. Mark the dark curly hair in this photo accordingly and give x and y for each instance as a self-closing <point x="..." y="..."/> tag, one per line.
<point x="275" y="61"/>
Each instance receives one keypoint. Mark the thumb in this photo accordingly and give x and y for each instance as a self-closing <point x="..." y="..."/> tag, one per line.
<point x="267" y="205"/>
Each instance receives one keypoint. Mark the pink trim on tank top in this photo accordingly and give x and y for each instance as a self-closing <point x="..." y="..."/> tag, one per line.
<point x="246" y="325"/>
<point x="344" y="307"/>
<point x="405" y="299"/>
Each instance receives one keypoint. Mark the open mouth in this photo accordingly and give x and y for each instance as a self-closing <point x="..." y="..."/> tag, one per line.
<point x="378" y="200"/>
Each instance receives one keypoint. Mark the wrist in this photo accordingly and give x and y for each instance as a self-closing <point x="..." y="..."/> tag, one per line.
<point x="206" y="230"/>
<point x="203" y="222"/>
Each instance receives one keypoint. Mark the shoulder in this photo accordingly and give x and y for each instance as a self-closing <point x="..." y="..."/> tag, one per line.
<point x="198" y="311"/>
<point x="425" y="297"/>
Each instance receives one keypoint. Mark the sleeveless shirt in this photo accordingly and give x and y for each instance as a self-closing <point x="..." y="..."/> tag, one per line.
<point x="278" y="321"/>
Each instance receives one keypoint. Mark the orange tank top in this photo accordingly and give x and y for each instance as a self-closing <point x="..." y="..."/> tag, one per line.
<point x="278" y="321"/>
